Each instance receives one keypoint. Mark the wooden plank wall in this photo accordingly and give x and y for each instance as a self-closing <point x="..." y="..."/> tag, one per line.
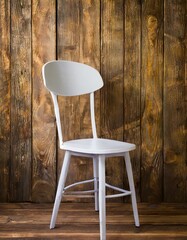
<point x="139" y="46"/>
<point x="20" y="105"/>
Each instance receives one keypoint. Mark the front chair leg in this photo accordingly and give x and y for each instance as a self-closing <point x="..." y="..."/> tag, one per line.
<point x="102" y="197"/>
<point x="60" y="188"/>
<point x="132" y="189"/>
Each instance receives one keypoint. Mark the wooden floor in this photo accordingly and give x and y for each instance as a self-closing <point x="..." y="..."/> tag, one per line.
<point x="79" y="221"/>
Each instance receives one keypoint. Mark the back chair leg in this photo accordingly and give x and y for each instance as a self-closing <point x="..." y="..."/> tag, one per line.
<point x="60" y="188"/>
<point x="95" y="170"/>
<point x="132" y="189"/>
<point x="102" y="198"/>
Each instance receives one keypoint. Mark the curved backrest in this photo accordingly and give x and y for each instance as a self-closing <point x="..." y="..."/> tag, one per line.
<point x="69" y="78"/>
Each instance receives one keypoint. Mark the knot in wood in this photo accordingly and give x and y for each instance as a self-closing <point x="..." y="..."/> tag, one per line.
<point x="152" y="26"/>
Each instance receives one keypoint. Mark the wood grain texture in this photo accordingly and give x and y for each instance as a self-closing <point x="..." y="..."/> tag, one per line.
<point x="112" y="73"/>
<point x="4" y="98"/>
<point x="43" y="121"/>
<point x="151" y="100"/>
<point x="89" y="54"/>
<point x="185" y="91"/>
<point x="140" y="49"/>
<point x="132" y="72"/>
<point x="68" y="48"/>
<point x="20" y="168"/>
<point x="80" y="221"/>
<point x="175" y="168"/>
<point x="78" y="40"/>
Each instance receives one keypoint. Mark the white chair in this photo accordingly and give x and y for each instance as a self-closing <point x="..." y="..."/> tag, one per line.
<point x="66" y="78"/>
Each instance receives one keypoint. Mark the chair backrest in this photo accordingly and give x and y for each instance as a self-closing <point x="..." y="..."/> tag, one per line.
<point x="67" y="78"/>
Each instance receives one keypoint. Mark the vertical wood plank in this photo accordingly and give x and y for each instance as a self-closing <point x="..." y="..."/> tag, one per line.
<point x="132" y="65"/>
<point x="4" y="98"/>
<point x="43" y="121"/>
<point x="78" y="40"/>
<point x="175" y="185"/>
<point x="20" y="171"/>
<point x="112" y="72"/>
<point x="89" y="54"/>
<point x="68" y="48"/>
<point x="151" y="100"/>
<point x="185" y="93"/>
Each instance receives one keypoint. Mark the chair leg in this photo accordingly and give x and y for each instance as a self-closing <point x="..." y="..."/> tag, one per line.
<point x="60" y="188"/>
<point x="132" y="189"/>
<point x="102" y="199"/>
<point x="95" y="170"/>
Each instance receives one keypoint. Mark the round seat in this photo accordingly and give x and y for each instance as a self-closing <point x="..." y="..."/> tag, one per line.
<point x="97" y="146"/>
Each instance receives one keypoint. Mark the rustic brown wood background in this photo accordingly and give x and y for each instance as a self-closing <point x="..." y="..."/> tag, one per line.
<point x="140" y="49"/>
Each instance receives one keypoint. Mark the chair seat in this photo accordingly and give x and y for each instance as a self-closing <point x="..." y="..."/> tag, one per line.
<point x="97" y="146"/>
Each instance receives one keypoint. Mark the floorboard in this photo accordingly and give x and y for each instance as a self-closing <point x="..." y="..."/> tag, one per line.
<point x="79" y="221"/>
